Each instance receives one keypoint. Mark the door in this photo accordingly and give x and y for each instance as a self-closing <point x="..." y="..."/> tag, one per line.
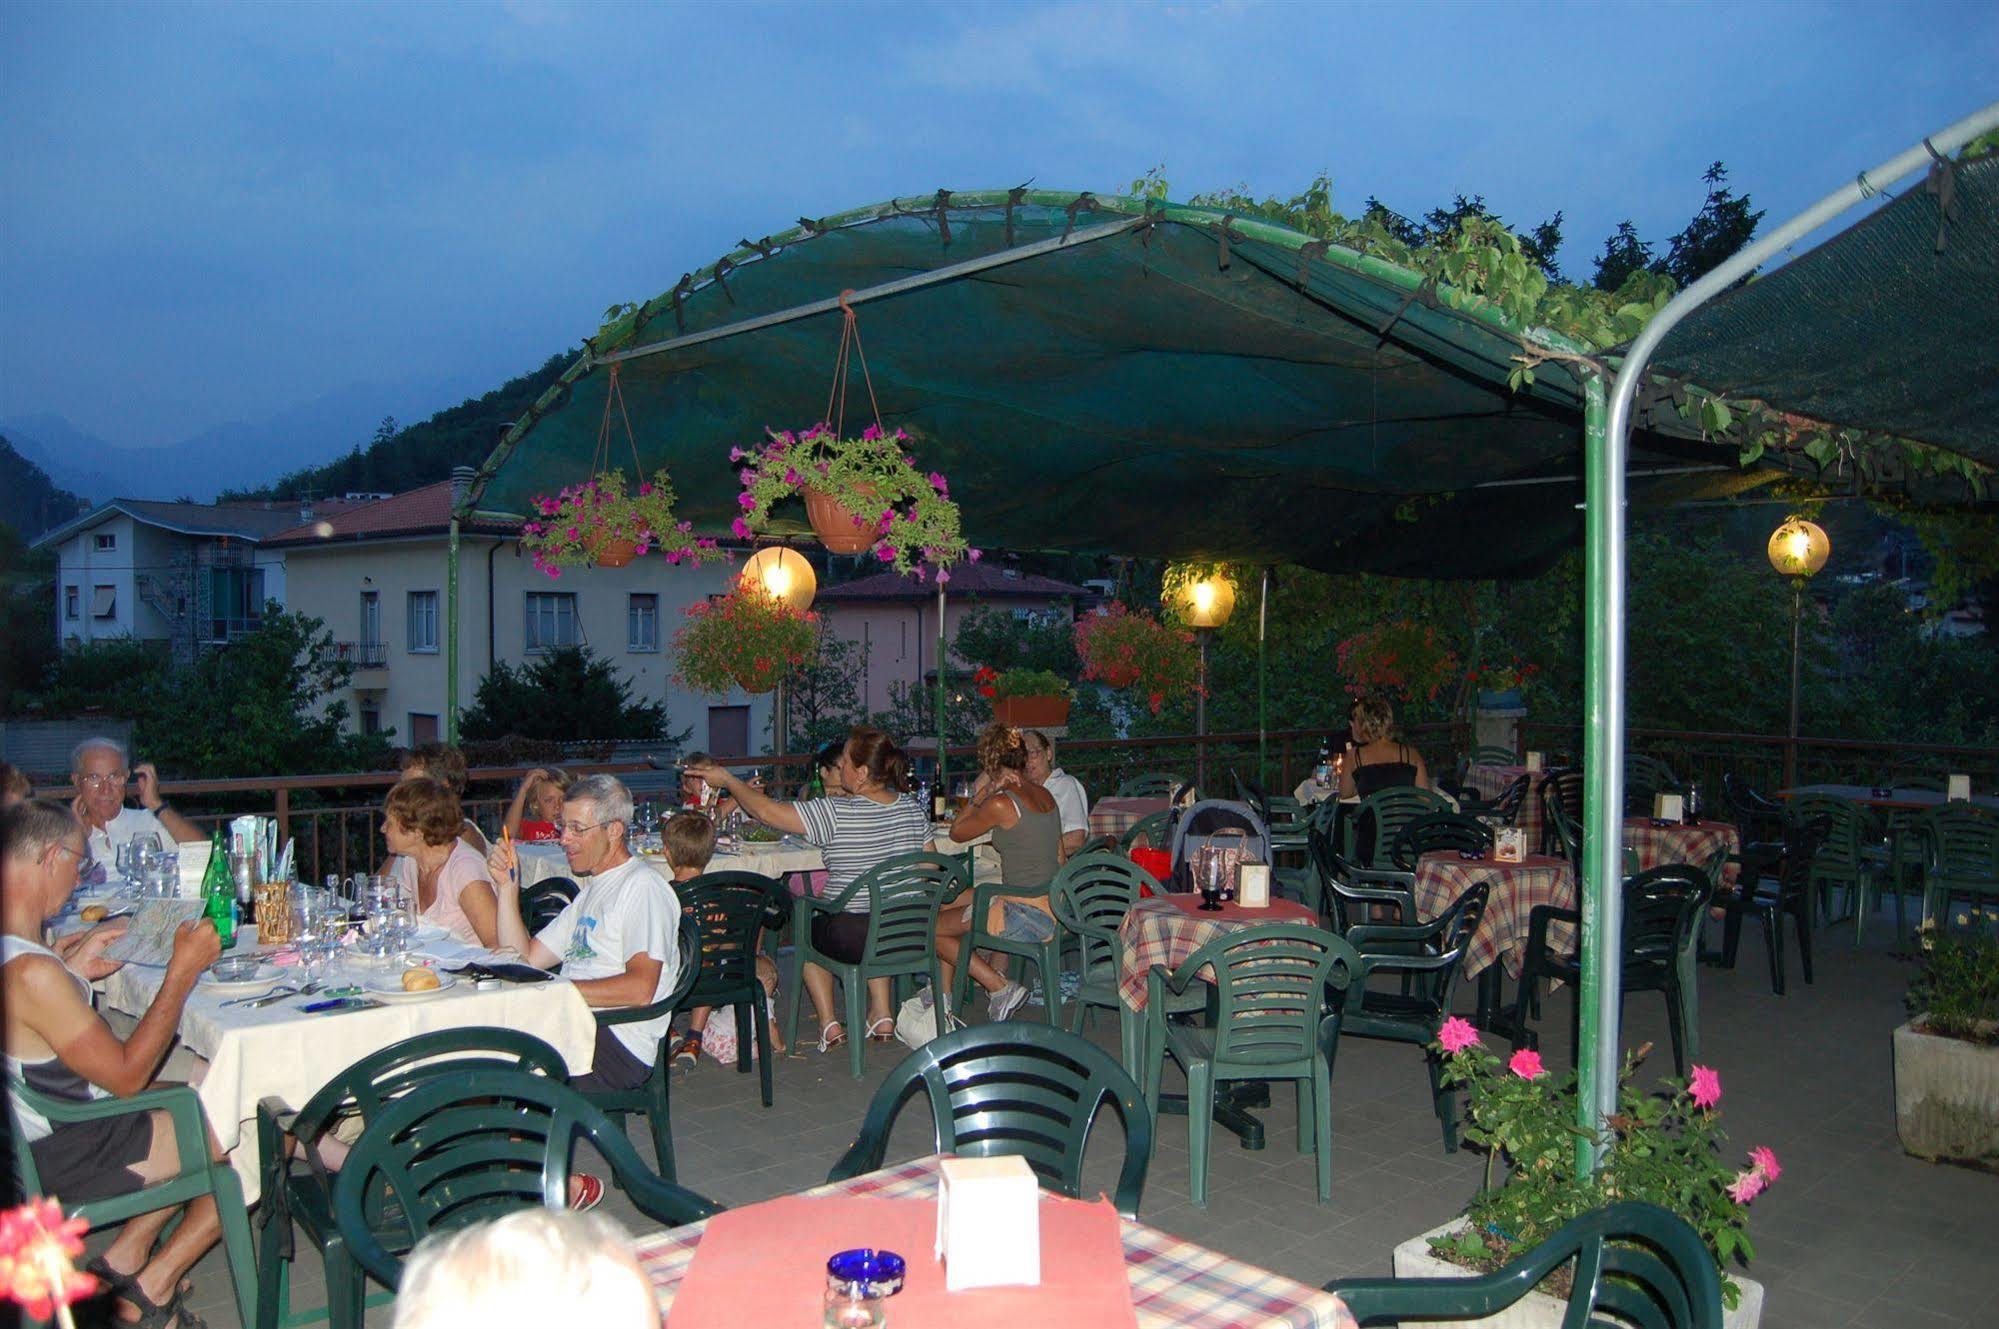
<point x="729" y="731"/>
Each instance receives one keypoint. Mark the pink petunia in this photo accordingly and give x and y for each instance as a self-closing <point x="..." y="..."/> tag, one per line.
<point x="885" y="554"/>
<point x="871" y="433"/>
<point x="792" y="477"/>
<point x="737" y="454"/>
<point x="746" y="501"/>
<point x="1748" y="1184"/>
<point x="942" y="576"/>
<point x="1705" y="1087"/>
<point x="938" y="483"/>
<point x="975" y="554"/>
<point x="1765" y="1161"/>
<point x="1457" y="1034"/>
<point x="1526" y="1064"/>
<point x="740" y="529"/>
<point x="645" y="489"/>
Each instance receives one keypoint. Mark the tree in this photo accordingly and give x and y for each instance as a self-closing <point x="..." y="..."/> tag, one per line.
<point x="568" y="694"/>
<point x="1623" y="254"/>
<point x="996" y="639"/>
<point x="1723" y="225"/>
<point x="823" y="698"/>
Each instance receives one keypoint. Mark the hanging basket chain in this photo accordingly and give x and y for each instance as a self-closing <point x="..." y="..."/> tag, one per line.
<point x="836" y="399"/>
<point x="600" y="458"/>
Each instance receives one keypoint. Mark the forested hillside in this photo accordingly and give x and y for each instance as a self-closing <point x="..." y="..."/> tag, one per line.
<point x="30" y="502"/>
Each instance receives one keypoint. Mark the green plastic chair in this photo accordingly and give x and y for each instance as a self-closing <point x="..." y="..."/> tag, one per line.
<point x="1431" y="954"/>
<point x="199" y="1174"/>
<point x="732" y="909"/>
<point x="1029" y="1091"/>
<point x="463" y="1148"/>
<point x="1960" y="858"/>
<point x="1046" y="956"/>
<point x="905" y="893"/>
<point x="651" y="1099"/>
<point x="298" y="1190"/>
<point x="1152" y="784"/>
<point x="1268" y="1008"/>
<point x="1643" y="1264"/>
<point x="1842" y="856"/>
<point x="543" y="901"/>
<point x="1644" y="777"/>
<point x="1354" y="894"/>
<point x="1090" y="896"/>
<point x="1487" y="754"/>
<point x="1387" y="811"/>
<point x="1152" y="830"/>
<point x="1895" y="856"/>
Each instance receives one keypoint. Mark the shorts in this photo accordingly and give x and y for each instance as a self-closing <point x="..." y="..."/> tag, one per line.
<point x="841" y="937"/>
<point x="1023" y="922"/>
<point x="94" y="1160"/>
<point x="612" y="1066"/>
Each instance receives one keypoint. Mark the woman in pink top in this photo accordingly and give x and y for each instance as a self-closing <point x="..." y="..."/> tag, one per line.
<point x="453" y="888"/>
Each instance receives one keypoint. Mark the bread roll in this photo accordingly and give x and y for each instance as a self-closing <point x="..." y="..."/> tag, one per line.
<point x="94" y="913"/>
<point x="419" y="980"/>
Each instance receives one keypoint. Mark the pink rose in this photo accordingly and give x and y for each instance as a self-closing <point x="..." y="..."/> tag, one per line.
<point x="1526" y="1064"/>
<point x="1748" y="1184"/>
<point x="1705" y="1087"/>
<point x="1457" y="1034"/>
<point x="1765" y="1161"/>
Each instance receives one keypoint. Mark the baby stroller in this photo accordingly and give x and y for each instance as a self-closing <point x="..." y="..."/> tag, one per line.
<point x="1219" y="821"/>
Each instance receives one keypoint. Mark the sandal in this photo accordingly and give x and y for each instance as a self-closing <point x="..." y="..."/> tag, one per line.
<point x="881" y="1037"/>
<point x="110" y="1279"/>
<point x="828" y="1044"/>
<point x="586" y="1192"/>
<point x="152" y="1315"/>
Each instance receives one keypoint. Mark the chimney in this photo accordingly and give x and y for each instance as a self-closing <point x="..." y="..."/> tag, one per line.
<point x="461" y="481"/>
<point x="305" y="509"/>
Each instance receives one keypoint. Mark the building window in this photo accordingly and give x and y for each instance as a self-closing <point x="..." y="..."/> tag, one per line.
<point x="104" y="602"/>
<point x="72" y="603"/>
<point x="642" y="623"/>
<point x="105" y="543"/>
<point x="423" y="632"/>
<point x="236" y="602"/>
<point x="551" y="620"/>
<point x="371" y="717"/>
<point x="371" y="618"/>
<point x="423" y="728"/>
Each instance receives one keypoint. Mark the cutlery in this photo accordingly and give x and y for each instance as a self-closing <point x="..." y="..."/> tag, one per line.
<point x="268" y="999"/>
<point x="276" y="992"/>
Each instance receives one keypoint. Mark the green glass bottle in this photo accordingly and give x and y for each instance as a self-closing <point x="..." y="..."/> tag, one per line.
<point x="817" y="787"/>
<point x="218" y="893"/>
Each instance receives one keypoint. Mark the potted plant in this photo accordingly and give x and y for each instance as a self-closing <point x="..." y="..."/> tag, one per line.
<point x="1137" y="651"/>
<point x="1947" y="1055"/>
<point x="1665" y="1147"/>
<point x="1402" y="659"/>
<point x="1499" y="686"/>
<point x="746" y="638"/>
<point x="860" y="493"/>
<point x="599" y="522"/>
<point x="1025" y="698"/>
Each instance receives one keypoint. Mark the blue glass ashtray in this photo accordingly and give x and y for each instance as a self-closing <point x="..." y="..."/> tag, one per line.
<point x="881" y="1271"/>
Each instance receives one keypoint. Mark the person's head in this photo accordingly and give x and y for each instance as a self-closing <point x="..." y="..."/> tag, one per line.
<point x="1001" y="748"/>
<point x="101" y="770"/>
<point x="15" y="787"/>
<point x="871" y="760"/>
<point x="545" y="803"/>
<point x="420" y="811"/>
<point x="691" y="784"/>
<point x="440" y="761"/>
<point x="595" y="817"/>
<point x="1373" y="720"/>
<point x="536" y="1266"/>
<point x="41" y="847"/>
<point x="1040" y="755"/>
<point x="690" y="843"/>
<point x="827" y="760"/>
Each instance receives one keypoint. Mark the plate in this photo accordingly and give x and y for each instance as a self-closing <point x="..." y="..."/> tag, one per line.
<point x="391" y="990"/>
<point x="265" y="980"/>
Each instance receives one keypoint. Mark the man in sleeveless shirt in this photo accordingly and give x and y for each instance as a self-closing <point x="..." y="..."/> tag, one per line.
<point x="58" y="1044"/>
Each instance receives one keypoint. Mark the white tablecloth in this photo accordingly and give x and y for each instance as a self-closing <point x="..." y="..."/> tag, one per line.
<point x="278" y="1050"/>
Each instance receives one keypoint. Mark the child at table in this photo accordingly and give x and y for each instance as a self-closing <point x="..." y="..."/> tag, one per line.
<point x="690" y="845"/>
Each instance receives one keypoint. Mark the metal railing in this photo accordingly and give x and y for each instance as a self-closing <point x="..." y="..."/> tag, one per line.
<point x="1703" y="757"/>
<point x="362" y="654"/>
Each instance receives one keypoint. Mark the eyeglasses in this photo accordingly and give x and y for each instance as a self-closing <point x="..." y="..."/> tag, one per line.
<point x="78" y="854"/>
<point x="103" y="781"/>
<point x="578" y="828"/>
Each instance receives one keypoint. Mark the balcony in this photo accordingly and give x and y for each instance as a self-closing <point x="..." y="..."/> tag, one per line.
<point x="370" y="660"/>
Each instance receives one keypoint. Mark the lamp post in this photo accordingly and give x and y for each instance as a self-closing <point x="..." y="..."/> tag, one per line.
<point x="1798" y="549"/>
<point x="1205" y="605"/>
<point x="783" y="574"/>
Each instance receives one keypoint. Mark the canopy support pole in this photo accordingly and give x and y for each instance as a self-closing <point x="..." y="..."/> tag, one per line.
<point x="451" y="633"/>
<point x="1603" y="823"/>
<point x="941" y="787"/>
<point x="1263" y="681"/>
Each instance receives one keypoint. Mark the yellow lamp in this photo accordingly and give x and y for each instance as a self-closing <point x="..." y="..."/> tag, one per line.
<point x="1207" y="603"/>
<point x="783" y="574"/>
<point x="1799" y="548"/>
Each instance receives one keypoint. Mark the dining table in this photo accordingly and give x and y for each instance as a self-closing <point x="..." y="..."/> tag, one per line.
<point x="1499" y="943"/>
<point x="1489" y="780"/>
<point x="1115" y="816"/>
<point x="1892" y="798"/>
<point x="766" y="1266"/>
<point x="1652" y="843"/>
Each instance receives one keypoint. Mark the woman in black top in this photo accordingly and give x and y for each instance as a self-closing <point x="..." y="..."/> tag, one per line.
<point x="1376" y="760"/>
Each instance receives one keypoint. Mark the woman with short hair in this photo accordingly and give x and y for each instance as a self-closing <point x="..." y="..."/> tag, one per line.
<point x="421" y="820"/>
<point x="1376" y="759"/>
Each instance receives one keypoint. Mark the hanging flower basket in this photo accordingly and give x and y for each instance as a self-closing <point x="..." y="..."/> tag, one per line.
<point x="1137" y="651"/>
<point x="1404" y="660"/>
<point x="860" y="494"/>
<point x="599" y="522"/>
<point x="744" y="639"/>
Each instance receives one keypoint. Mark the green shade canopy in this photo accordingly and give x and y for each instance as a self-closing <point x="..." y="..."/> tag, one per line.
<point x="1113" y="375"/>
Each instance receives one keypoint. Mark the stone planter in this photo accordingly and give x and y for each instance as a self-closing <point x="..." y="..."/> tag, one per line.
<point x="1536" y="1310"/>
<point x="1946" y="1095"/>
<point x="1031" y="712"/>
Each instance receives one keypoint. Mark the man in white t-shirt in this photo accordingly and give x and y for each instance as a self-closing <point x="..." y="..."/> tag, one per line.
<point x="618" y="940"/>
<point x="1070" y="800"/>
<point x="103" y="775"/>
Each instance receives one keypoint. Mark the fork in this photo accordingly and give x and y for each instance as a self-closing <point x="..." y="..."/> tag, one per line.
<point x="261" y="996"/>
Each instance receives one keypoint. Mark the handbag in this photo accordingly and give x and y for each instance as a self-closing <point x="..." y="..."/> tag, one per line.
<point x="1219" y="858"/>
<point x="916" y="1022"/>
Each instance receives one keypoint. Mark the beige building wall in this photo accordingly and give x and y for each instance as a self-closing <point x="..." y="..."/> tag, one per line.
<point x="898" y="638"/>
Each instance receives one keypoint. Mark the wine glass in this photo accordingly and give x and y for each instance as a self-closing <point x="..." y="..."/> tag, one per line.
<point x="126" y="857"/>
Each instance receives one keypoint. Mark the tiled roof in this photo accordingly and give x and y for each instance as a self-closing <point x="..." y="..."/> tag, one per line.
<point x="253" y="521"/>
<point x="424" y="511"/>
<point x="981" y="579"/>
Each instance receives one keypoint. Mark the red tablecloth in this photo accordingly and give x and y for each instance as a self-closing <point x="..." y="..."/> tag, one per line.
<point x="1115" y="816"/>
<point x="1516" y="889"/>
<point x="1166" y="929"/>
<point x="1698" y="844"/>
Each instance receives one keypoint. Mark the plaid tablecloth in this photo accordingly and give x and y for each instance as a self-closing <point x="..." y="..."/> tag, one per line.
<point x="1115" y="816"/>
<point x="1166" y="929"/>
<point x="1516" y="889"/>
<point x="1697" y="844"/>
<point x="1175" y="1284"/>
<point x="1489" y="782"/>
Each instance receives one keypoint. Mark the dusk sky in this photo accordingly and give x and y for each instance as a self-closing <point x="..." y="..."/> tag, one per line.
<point x="215" y="211"/>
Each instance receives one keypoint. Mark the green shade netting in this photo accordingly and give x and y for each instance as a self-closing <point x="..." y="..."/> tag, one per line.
<point x="1153" y="393"/>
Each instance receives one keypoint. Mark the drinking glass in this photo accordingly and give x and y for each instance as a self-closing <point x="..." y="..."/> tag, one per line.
<point x="126" y="858"/>
<point x="162" y="874"/>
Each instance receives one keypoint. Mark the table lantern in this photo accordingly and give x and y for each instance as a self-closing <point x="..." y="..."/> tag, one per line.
<point x="1957" y="789"/>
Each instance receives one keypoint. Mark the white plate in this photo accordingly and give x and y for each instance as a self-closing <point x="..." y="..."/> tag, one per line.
<point x="266" y="979"/>
<point x="391" y="990"/>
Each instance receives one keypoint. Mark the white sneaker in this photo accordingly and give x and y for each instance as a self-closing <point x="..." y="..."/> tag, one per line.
<point x="1007" y="1000"/>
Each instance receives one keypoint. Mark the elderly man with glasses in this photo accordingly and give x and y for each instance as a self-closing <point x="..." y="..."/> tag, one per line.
<point x="103" y="778"/>
<point x="618" y="940"/>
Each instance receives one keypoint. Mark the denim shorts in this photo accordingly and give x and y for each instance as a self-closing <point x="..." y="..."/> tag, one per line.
<point x="1023" y="922"/>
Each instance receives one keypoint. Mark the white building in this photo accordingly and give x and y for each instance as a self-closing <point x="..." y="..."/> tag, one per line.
<point x="376" y="574"/>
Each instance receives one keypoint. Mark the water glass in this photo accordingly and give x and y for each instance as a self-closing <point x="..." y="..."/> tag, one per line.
<point x="126" y="858"/>
<point x="161" y="875"/>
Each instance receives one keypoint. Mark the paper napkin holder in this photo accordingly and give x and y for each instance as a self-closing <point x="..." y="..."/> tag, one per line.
<point x="1958" y="789"/>
<point x="1534" y="762"/>
<point x="1253" y="886"/>
<point x="193" y="869"/>
<point x="1509" y="845"/>
<point x="988" y="1223"/>
<point x="1669" y="808"/>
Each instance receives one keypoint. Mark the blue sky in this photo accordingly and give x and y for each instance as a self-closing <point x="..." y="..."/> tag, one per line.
<point x="215" y="211"/>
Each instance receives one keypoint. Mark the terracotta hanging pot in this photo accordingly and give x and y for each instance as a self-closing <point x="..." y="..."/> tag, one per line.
<point x="1031" y="712"/>
<point x="838" y="529"/>
<point x="753" y="680"/>
<point x="612" y="553"/>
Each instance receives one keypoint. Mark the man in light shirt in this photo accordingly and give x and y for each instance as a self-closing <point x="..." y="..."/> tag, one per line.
<point x="103" y="776"/>
<point x="1070" y="799"/>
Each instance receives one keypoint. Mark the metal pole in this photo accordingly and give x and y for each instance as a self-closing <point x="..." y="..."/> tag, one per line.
<point x="1603" y="764"/>
<point x="941" y="787"/>
<point x="780" y="719"/>
<point x="1797" y="616"/>
<point x="1262" y="681"/>
<point x="451" y="634"/>
<point x="1201" y="714"/>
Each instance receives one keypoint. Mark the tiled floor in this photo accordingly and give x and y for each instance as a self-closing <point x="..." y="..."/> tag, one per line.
<point x="1855" y="1233"/>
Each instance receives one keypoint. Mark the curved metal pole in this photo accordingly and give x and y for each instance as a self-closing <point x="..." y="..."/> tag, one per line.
<point x="451" y="652"/>
<point x="1603" y="818"/>
<point x="1262" y="681"/>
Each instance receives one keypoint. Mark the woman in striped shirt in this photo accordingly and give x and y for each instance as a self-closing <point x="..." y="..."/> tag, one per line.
<point x="876" y="818"/>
